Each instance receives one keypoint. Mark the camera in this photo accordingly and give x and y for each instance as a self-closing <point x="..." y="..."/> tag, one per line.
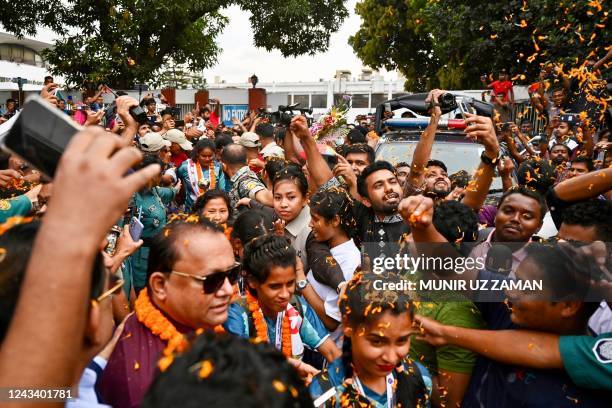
<point x="284" y="114"/>
<point x="137" y="112"/>
<point x="447" y="102"/>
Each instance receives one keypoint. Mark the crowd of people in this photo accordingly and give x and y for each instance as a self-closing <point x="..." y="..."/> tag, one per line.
<point x="179" y="261"/>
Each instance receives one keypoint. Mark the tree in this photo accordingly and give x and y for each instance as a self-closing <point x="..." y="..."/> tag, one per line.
<point x="22" y="17"/>
<point x="177" y="76"/>
<point x="122" y="42"/>
<point x="450" y="43"/>
<point x="172" y="76"/>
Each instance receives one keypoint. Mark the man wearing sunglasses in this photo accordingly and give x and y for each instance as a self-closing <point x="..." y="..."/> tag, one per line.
<point x="189" y="282"/>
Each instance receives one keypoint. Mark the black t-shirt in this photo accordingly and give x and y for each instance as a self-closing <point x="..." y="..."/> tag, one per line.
<point x="384" y="234"/>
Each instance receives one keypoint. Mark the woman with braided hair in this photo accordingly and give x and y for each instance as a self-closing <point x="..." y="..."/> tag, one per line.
<point x="270" y="312"/>
<point x="374" y="371"/>
<point x="333" y="224"/>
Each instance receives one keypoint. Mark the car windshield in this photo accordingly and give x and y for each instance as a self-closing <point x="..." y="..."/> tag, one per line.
<point x="456" y="156"/>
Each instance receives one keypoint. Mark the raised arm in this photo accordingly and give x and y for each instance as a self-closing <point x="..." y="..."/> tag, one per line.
<point x="587" y="136"/>
<point x="289" y="147"/>
<point x="505" y="168"/>
<point x="585" y="186"/>
<point x="343" y="169"/>
<point x="602" y="61"/>
<point x="517" y="131"/>
<point x="480" y="129"/>
<point x="48" y="325"/>
<point x="317" y="166"/>
<point x="537" y="100"/>
<point x="509" y="139"/>
<point x="422" y="152"/>
<point x="417" y="212"/>
<point x="517" y="347"/>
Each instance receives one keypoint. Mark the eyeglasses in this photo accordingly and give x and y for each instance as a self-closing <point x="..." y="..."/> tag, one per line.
<point x="111" y="291"/>
<point x="212" y="283"/>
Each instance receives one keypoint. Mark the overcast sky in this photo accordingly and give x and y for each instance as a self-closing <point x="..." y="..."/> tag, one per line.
<point x="240" y="59"/>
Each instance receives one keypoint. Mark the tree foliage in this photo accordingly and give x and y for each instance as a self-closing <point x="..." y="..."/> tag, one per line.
<point x="22" y="17"/>
<point x="450" y="43"/>
<point x="123" y="42"/>
<point x="177" y="76"/>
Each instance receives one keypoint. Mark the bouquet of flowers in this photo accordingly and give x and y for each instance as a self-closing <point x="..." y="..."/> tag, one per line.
<point x="332" y="125"/>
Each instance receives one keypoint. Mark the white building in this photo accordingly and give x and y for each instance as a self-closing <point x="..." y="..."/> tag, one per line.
<point x="20" y="57"/>
<point x="367" y="91"/>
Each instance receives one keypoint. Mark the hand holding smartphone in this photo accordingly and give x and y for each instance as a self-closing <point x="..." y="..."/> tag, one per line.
<point x="136" y="226"/>
<point x="40" y="135"/>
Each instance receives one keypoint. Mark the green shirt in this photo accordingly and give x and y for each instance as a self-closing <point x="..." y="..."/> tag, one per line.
<point x="588" y="360"/>
<point x="447" y="358"/>
<point x="450" y="312"/>
<point x="14" y="207"/>
<point x="153" y="203"/>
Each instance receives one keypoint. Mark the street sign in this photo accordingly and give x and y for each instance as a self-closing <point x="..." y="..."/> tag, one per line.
<point x="233" y="111"/>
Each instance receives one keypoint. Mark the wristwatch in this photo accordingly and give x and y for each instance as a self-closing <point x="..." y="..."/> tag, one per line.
<point x="301" y="285"/>
<point x="487" y="160"/>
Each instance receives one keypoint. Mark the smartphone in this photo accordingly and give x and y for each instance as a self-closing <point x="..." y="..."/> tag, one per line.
<point x="40" y="135"/>
<point x="331" y="161"/>
<point x="136" y="228"/>
<point x="58" y="94"/>
<point x="462" y="110"/>
<point x="179" y="123"/>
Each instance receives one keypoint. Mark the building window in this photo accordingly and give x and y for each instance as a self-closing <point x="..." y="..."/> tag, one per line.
<point x="20" y="54"/>
<point x="319" y="101"/>
<point x="28" y="56"/>
<point x="5" y="52"/>
<point x="17" y="53"/>
<point x="359" y="101"/>
<point x="338" y="100"/>
<point x="301" y="99"/>
<point x="379" y="98"/>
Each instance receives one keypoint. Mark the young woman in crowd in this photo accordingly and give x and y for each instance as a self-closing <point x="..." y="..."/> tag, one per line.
<point x="373" y="371"/>
<point x="248" y="226"/>
<point x="270" y="309"/>
<point x="290" y="193"/>
<point x="214" y="205"/>
<point x="200" y="173"/>
<point x="149" y="205"/>
<point x="332" y="223"/>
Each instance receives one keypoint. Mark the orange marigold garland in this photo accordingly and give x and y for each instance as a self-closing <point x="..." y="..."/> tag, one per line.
<point x="154" y="320"/>
<point x="159" y="325"/>
<point x="261" y="327"/>
<point x="286" y="336"/>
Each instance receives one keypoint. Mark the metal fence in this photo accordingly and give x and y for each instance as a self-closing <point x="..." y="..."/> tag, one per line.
<point x="185" y="107"/>
<point x="525" y="110"/>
